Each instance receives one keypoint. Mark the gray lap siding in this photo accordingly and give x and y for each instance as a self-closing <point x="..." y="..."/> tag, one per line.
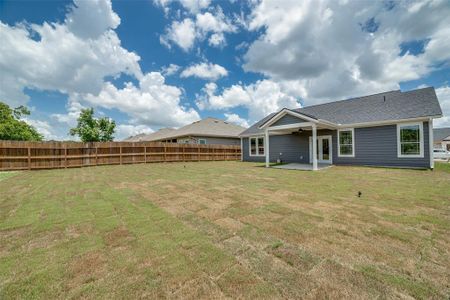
<point x="288" y="148"/>
<point x="374" y="146"/>
<point x="377" y="146"/>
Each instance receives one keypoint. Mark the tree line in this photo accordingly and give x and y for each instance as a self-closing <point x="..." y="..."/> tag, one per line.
<point x="88" y="129"/>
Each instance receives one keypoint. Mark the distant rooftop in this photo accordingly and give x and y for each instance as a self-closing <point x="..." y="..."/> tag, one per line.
<point x="441" y="134"/>
<point x="207" y="127"/>
<point x="151" y="136"/>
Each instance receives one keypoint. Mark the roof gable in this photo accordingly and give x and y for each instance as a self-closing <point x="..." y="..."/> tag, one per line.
<point x="288" y="119"/>
<point x="383" y="107"/>
<point x="295" y="117"/>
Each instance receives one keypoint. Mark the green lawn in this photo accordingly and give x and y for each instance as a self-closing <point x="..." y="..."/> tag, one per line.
<point x="225" y="229"/>
<point x="4" y="175"/>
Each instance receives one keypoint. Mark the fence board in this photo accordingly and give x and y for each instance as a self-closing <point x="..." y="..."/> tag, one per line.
<point x="20" y="155"/>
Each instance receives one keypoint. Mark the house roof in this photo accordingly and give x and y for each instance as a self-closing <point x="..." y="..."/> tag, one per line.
<point x="206" y="127"/>
<point x="134" y="138"/>
<point x="387" y="106"/>
<point x="441" y="134"/>
<point x="162" y="133"/>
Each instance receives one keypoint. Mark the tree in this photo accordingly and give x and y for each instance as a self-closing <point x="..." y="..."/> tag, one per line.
<point x="90" y="129"/>
<point x="13" y="128"/>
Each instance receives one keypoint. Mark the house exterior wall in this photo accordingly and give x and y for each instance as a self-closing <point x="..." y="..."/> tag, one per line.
<point x="288" y="148"/>
<point x="374" y="146"/>
<point x="210" y="140"/>
<point x="377" y="146"/>
<point x="287" y="119"/>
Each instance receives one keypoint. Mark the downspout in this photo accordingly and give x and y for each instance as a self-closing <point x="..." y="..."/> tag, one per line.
<point x="266" y="150"/>
<point x="431" y="142"/>
<point x="242" y="149"/>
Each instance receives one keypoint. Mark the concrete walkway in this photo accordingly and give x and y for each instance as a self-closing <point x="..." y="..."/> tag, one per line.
<point x="303" y="167"/>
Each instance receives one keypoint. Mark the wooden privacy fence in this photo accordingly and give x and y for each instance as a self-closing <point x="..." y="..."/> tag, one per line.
<point x="17" y="155"/>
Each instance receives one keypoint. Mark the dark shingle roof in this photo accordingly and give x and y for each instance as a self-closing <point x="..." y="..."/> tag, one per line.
<point x="392" y="105"/>
<point x="441" y="134"/>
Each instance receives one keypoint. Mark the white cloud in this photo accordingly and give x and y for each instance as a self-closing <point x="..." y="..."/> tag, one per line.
<point x="73" y="58"/>
<point x="152" y="103"/>
<point x="236" y="119"/>
<point x="216" y="39"/>
<point x="260" y="98"/>
<point x="126" y="130"/>
<point x="326" y="50"/>
<point x="170" y="69"/>
<point x="204" y="70"/>
<point x="443" y="94"/>
<point x="193" y="6"/>
<point x="218" y="22"/>
<point x="90" y="19"/>
<point x="211" y="26"/>
<point x="181" y="33"/>
<point x="52" y="57"/>
<point x="44" y="128"/>
<point x="74" y="108"/>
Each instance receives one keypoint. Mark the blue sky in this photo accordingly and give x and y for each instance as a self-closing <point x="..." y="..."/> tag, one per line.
<point x="162" y="63"/>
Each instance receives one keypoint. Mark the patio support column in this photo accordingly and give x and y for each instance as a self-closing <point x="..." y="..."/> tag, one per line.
<point x="314" y="146"/>
<point x="266" y="148"/>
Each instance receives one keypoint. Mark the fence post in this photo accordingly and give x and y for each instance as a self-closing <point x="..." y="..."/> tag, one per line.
<point x="65" y="156"/>
<point x="198" y="150"/>
<point x="120" y="154"/>
<point x="29" y="158"/>
<point x="184" y="156"/>
<point x="96" y="156"/>
<point x="145" y="154"/>
<point x="165" y="157"/>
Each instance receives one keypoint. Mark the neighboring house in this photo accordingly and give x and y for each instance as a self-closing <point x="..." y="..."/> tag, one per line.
<point x="208" y="131"/>
<point x="154" y="136"/>
<point x="441" y="138"/>
<point x="391" y="129"/>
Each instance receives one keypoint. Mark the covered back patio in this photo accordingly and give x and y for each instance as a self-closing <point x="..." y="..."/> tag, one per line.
<point x="288" y="122"/>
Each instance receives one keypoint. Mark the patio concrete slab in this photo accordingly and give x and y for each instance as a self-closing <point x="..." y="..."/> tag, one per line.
<point x="303" y="167"/>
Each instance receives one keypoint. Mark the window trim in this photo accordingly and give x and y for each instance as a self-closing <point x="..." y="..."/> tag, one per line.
<point x="421" y="141"/>
<point x="199" y="141"/>
<point x="256" y="144"/>
<point x="352" y="130"/>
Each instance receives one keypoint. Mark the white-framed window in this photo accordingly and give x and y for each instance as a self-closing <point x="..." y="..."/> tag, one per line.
<point x="346" y="142"/>
<point x="202" y="141"/>
<point x="410" y="140"/>
<point x="256" y="146"/>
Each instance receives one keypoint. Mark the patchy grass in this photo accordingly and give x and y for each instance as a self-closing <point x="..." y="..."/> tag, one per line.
<point x="225" y="229"/>
<point x="7" y="174"/>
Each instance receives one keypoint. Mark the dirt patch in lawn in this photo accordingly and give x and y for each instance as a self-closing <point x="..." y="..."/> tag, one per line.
<point x="86" y="268"/>
<point x="119" y="237"/>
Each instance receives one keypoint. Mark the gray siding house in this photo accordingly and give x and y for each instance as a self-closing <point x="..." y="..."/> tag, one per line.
<point x="391" y="129"/>
<point x="209" y="131"/>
